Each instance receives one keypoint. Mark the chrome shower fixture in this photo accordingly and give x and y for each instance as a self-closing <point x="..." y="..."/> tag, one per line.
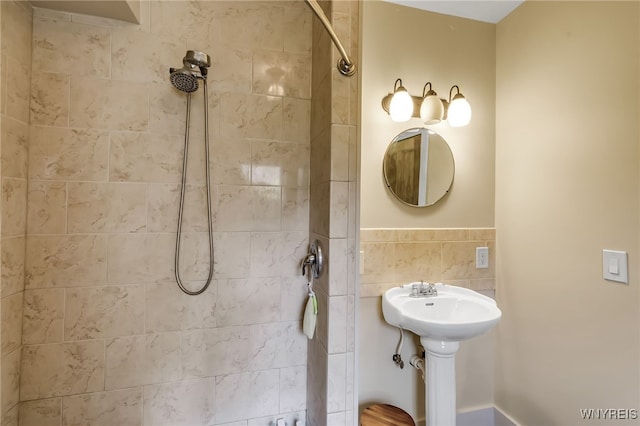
<point x="195" y="66"/>
<point x="186" y="79"/>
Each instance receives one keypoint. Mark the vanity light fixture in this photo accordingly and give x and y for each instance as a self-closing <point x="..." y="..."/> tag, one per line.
<point x="459" y="111"/>
<point x="401" y="103"/>
<point x="431" y="109"/>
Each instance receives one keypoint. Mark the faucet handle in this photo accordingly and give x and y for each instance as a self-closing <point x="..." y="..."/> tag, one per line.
<point x="415" y="289"/>
<point x="431" y="290"/>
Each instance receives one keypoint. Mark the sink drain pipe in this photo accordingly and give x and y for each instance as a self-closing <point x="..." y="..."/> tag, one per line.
<point x="417" y="362"/>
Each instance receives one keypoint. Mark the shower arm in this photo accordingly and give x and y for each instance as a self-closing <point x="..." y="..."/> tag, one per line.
<point x="345" y="65"/>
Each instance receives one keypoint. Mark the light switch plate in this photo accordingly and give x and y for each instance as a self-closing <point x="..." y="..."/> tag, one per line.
<point x="614" y="266"/>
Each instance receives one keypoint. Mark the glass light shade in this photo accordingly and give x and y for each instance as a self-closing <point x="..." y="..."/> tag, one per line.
<point x="401" y="106"/>
<point x="459" y="113"/>
<point x="431" y="110"/>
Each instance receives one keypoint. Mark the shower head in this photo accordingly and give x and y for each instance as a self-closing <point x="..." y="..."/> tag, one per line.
<point x="195" y="66"/>
<point x="183" y="79"/>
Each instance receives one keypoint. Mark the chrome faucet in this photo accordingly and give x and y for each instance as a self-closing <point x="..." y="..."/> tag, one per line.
<point x="423" y="290"/>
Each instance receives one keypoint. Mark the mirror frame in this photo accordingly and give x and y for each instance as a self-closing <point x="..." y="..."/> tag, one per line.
<point x="404" y="135"/>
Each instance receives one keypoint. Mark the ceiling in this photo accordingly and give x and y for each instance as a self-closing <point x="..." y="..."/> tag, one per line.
<point x="480" y="10"/>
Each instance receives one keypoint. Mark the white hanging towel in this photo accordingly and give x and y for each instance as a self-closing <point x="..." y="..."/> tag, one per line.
<point x="310" y="315"/>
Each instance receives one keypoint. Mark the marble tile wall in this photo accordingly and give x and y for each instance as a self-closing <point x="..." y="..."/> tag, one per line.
<point x="334" y="132"/>
<point x="108" y="337"/>
<point x="399" y="256"/>
<point x="15" y="61"/>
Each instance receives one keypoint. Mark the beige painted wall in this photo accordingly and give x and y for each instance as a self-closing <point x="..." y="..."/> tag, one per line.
<point x="418" y="46"/>
<point x="566" y="188"/>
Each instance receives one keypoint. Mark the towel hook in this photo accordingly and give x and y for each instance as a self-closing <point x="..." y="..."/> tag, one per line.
<point x="313" y="260"/>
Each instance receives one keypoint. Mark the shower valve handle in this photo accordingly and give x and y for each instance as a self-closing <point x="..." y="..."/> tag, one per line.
<point x="313" y="260"/>
<point x="308" y="262"/>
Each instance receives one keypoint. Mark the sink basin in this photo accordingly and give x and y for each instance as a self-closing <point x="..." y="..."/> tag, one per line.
<point x="441" y="321"/>
<point x="455" y="314"/>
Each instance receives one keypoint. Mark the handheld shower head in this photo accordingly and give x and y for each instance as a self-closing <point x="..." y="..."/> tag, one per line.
<point x="183" y="79"/>
<point x="195" y="66"/>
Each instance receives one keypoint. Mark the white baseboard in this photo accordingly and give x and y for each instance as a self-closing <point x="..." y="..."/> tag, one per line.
<point x="476" y="417"/>
<point x="503" y="419"/>
<point x="486" y="416"/>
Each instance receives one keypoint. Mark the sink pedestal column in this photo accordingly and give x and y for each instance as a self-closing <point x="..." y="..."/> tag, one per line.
<point x="441" y="381"/>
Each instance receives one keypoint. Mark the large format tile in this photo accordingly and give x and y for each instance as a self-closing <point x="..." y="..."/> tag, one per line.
<point x="251" y="116"/>
<point x="296" y="120"/>
<point x="71" y="48"/>
<point x="277" y="253"/>
<point x="141" y="56"/>
<point x="141" y="360"/>
<point x="16" y="31"/>
<point x="106" y="207"/>
<point x="145" y="157"/>
<point x="418" y="261"/>
<point x="276" y="345"/>
<point x="47" y="207"/>
<point x="140" y="258"/>
<point x="50" y="99"/>
<point x="10" y="381"/>
<point x="231" y="68"/>
<point x="167" y="308"/>
<point x="43" y="316"/>
<point x="246" y="395"/>
<point x="14" y="207"/>
<point x="12" y="272"/>
<point x="66" y="260"/>
<point x="248" y="208"/>
<point x="11" y="334"/>
<point x="68" y="154"/>
<point x="282" y="74"/>
<point x="16" y="91"/>
<point x="41" y="412"/>
<point x="96" y="312"/>
<point x="15" y="148"/>
<point x="163" y="207"/>
<point x="284" y="164"/>
<point x="232" y="254"/>
<point x="190" y="402"/>
<point x="61" y="369"/>
<point x="293" y="388"/>
<point x="262" y="25"/>
<point x="298" y="22"/>
<point x="295" y="209"/>
<point x="109" y="104"/>
<point x="121" y="407"/>
<point x="215" y="351"/>
<point x="248" y="301"/>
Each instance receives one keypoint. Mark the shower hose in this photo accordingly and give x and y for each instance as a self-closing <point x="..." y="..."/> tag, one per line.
<point x="182" y="194"/>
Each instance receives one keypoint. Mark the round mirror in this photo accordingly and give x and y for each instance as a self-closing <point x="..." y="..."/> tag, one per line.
<point x="418" y="167"/>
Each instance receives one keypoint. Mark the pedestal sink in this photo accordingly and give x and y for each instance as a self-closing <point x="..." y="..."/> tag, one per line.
<point x="442" y="321"/>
